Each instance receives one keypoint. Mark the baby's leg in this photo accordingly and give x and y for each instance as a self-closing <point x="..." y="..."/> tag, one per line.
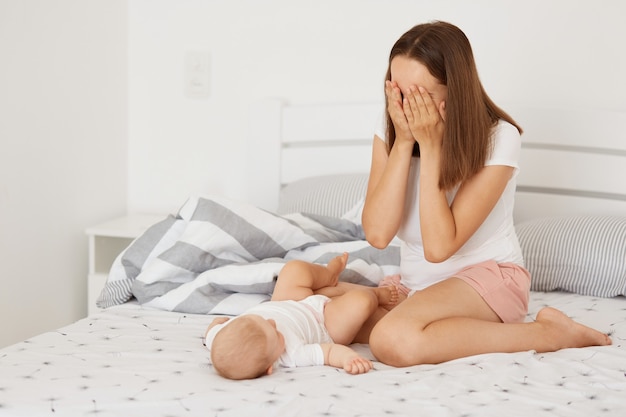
<point x="387" y="296"/>
<point x="345" y="315"/>
<point x="299" y="279"/>
<point x="340" y="289"/>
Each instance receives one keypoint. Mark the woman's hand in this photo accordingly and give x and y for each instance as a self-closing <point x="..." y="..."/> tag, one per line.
<point x="396" y="111"/>
<point x="424" y="118"/>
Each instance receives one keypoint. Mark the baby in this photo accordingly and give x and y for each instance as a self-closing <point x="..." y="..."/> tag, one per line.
<point x="310" y="320"/>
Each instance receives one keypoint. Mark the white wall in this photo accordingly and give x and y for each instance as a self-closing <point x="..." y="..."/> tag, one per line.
<point x="95" y="121"/>
<point x="63" y="152"/>
<point x="546" y="52"/>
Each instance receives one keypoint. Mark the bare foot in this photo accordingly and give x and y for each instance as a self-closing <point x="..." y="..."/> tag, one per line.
<point x="387" y="296"/>
<point x="395" y="280"/>
<point x="401" y="296"/>
<point x="335" y="267"/>
<point x="566" y="333"/>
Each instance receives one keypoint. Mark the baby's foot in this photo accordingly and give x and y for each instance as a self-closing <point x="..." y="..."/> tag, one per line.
<point x="567" y="333"/>
<point x="396" y="281"/>
<point x="387" y="296"/>
<point x="335" y="268"/>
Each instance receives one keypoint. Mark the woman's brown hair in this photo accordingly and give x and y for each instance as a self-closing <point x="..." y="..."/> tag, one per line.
<point x="470" y="114"/>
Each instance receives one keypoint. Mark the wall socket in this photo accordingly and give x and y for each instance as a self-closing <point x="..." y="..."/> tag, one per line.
<point x="197" y="74"/>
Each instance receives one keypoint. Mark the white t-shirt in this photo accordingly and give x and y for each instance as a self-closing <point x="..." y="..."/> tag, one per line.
<point x="494" y="240"/>
<point x="300" y="322"/>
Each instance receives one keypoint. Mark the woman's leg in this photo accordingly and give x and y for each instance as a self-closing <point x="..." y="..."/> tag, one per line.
<point x="450" y="320"/>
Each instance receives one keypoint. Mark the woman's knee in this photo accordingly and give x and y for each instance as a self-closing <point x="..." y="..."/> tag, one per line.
<point x="395" y="346"/>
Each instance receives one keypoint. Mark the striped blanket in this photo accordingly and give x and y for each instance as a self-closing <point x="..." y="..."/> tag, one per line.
<point x="220" y="256"/>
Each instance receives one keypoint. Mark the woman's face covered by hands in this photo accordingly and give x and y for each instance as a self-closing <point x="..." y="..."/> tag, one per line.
<point x="416" y="100"/>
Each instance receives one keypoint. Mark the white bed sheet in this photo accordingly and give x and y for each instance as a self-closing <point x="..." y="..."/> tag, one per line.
<point x="131" y="361"/>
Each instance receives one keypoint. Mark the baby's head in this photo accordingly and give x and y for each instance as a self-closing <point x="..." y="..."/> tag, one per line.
<point x="247" y="348"/>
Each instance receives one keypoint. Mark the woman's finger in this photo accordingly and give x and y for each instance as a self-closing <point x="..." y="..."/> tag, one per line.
<point x="429" y="104"/>
<point x="412" y="107"/>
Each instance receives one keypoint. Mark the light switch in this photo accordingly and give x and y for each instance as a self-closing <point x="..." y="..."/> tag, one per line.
<point x="197" y="74"/>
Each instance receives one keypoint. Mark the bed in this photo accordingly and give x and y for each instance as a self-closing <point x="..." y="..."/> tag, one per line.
<point x="143" y="355"/>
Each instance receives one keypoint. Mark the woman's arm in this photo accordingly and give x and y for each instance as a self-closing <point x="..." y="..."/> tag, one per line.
<point x="446" y="228"/>
<point x="386" y="188"/>
<point x="386" y="192"/>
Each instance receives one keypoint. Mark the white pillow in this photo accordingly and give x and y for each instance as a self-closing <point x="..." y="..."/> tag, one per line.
<point x="327" y="195"/>
<point x="580" y="254"/>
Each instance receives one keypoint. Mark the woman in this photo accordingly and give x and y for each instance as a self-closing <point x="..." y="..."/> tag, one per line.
<point x="443" y="179"/>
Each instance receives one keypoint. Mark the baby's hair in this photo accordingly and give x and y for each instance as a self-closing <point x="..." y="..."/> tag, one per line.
<point x="239" y="350"/>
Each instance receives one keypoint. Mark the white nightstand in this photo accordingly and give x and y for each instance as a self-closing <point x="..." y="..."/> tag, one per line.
<point x="106" y="241"/>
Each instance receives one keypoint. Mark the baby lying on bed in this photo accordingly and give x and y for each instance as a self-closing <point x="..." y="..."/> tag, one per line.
<point x="309" y="321"/>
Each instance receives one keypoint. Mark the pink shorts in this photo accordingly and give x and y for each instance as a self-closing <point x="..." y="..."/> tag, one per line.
<point x="505" y="288"/>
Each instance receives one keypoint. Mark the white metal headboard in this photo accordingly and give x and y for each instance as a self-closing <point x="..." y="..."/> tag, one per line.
<point x="572" y="162"/>
<point x="290" y="142"/>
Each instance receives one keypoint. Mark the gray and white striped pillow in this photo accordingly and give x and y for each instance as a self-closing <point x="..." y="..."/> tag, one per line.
<point x="326" y="195"/>
<point x="580" y="254"/>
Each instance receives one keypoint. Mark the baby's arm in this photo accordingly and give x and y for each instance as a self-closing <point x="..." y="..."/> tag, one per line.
<point x="341" y="356"/>
<point x="216" y="321"/>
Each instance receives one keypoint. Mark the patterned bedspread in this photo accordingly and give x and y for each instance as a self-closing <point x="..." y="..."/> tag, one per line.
<point x="134" y="361"/>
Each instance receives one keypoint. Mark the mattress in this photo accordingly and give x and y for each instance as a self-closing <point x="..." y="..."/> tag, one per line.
<point x="130" y="360"/>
